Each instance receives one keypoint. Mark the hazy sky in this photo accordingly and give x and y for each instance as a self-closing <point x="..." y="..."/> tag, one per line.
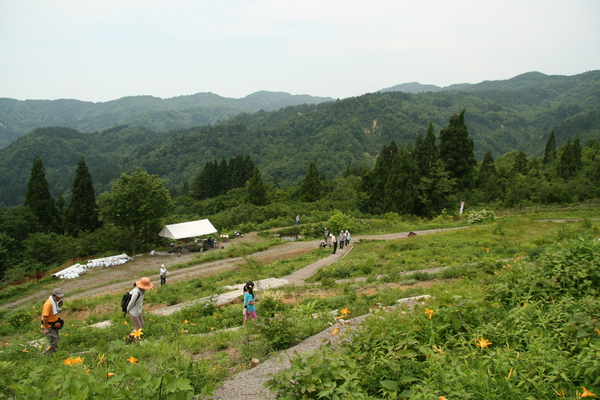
<point x="107" y="49"/>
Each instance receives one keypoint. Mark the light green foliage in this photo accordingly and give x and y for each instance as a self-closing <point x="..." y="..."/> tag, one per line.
<point x="474" y="217"/>
<point x="137" y="201"/>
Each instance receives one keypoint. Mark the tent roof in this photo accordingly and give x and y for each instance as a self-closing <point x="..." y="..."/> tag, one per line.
<point x="188" y="229"/>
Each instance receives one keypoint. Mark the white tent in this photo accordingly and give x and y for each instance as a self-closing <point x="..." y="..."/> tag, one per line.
<point x="188" y="229"/>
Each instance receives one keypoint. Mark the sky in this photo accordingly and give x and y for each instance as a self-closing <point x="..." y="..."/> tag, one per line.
<point x="104" y="50"/>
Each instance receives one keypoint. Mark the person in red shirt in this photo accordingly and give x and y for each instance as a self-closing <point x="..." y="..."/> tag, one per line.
<point x="51" y="324"/>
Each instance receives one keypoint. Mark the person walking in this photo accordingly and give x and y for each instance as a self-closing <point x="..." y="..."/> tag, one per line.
<point x="249" y="302"/>
<point x="51" y="323"/>
<point x="134" y="308"/>
<point x="347" y="238"/>
<point x="342" y="239"/>
<point x="163" y="274"/>
<point x="325" y="234"/>
<point x="334" y="242"/>
<point x="297" y="219"/>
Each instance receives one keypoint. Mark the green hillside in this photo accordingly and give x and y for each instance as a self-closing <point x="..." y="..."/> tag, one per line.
<point x="517" y="114"/>
<point x="20" y="117"/>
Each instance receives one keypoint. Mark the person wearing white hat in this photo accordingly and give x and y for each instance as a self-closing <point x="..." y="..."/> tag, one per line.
<point x="134" y="308"/>
<point x="163" y="274"/>
<point x="51" y="323"/>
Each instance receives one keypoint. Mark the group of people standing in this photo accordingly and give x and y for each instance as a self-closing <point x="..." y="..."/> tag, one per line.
<point x="329" y="239"/>
<point x="52" y="323"/>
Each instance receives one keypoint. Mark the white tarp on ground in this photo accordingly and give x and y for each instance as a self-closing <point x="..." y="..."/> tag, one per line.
<point x="75" y="271"/>
<point x="188" y="229"/>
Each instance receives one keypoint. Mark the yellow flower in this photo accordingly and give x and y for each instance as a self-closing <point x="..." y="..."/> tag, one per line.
<point x="133" y="360"/>
<point x="597" y="331"/>
<point x="183" y="330"/>
<point x="586" y="393"/>
<point x="72" y="361"/>
<point x="438" y="349"/>
<point x="443" y="398"/>
<point x="109" y="374"/>
<point x="125" y="323"/>
<point x="101" y="358"/>
<point x="335" y="331"/>
<point x="192" y="324"/>
<point x="137" y="333"/>
<point x="483" y="343"/>
<point x="212" y="328"/>
<point x="430" y="312"/>
<point x="87" y="371"/>
<point x="345" y="312"/>
<point x="185" y="321"/>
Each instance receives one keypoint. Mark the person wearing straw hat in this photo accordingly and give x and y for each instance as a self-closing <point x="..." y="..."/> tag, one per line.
<point x="134" y="308"/>
<point x="51" y="323"/>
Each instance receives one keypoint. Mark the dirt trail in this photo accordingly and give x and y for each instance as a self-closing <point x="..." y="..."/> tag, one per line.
<point x="110" y="280"/>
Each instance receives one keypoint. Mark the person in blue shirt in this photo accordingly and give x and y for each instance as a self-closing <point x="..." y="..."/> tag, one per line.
<point x="249" y="301"/>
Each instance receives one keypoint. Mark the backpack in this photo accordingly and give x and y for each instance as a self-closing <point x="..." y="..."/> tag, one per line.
<point x="125" y="302"/>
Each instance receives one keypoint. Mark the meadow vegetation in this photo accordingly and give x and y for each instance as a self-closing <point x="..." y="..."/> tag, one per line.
<point x="514" y="314"/>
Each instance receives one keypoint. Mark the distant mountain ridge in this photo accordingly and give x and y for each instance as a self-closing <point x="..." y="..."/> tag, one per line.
<point x="19" y="117"/>
<point x="532" y="79"/>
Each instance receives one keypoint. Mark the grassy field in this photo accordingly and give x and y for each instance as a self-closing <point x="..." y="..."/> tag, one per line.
<point x="545" y="337"/>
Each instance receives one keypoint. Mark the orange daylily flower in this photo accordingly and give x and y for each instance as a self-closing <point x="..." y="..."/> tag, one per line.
<point x="430" y="312"/>
<point x="101" y="358"/>
<point x="483" y="343"/>
<point x="335" y="331"/>
<point x="586" y="393"/>
<point x="109" y="374"/>
<point x="72" y="361"/>
<point x="345" y="312"/>
<point x="133" y="360"/>
<point x="137" y="333"/>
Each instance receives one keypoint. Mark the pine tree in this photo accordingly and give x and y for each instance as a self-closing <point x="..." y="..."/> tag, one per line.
<point x="401" y="189"/>
<point x="257" y="192"/>
<point x="550" y="151"/>
<point x="82" y="212"/>
<point x="374" y="183"/>
<point x="456" y="150"/>
<point x="39" y="200"/>
<point x="426" y="151"/>
<point x="310" y="189"/>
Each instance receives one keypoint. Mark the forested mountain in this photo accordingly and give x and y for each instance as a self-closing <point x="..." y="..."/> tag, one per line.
<point x="20" y="117"/>
<point x="518" y="114"/>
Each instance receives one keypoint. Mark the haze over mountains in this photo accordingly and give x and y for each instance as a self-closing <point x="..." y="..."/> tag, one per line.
<point x="171" y="137"/>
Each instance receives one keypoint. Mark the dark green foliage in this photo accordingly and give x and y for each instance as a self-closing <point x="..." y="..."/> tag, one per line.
<point x="257" y="192"/>
<point x="39" y="200"/>
<point x="310" y="189"/>
<point x="569" y="160"/>
<point x="456" y="151"/>
<point x="376" y="181"/>
<point x="82" y="213"/>
<point x="550" y="150"/>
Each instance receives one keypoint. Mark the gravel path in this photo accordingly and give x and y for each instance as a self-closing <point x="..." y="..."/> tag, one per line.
<point x="249" y="385"/>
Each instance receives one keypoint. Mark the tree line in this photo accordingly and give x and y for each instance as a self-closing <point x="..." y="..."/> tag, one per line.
<point x="423" y="178"/>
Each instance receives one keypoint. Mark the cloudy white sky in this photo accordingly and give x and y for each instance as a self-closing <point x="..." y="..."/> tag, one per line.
<point x="104" y="50"/>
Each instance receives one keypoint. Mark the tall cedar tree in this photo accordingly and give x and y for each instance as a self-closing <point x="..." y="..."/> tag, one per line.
<point x="39" y="200"/>
<point x="550" y="151"/>
<point x="310" y="189"/>
<point x="82" y="212"/>
<point x="136" y="202"/>
<point x="426" y="150"/>
<point x="257" y="192"/>
<point x="401" y="189"/>
<point x="374" y="183"/>
<point x="456" y="150"/>
<point x="488" y="180"/>
<point x="569" y="161"/>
